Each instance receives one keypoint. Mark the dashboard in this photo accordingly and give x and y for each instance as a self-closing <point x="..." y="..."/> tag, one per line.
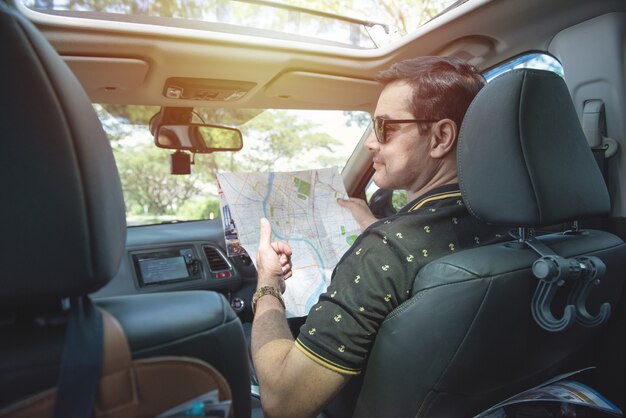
<point x="183" y="256"/>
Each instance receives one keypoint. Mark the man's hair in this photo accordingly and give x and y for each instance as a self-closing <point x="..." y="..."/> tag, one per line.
<point x="443" y="87"/>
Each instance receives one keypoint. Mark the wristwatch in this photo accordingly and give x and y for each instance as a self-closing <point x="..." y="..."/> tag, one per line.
<point x="266" y="290"/>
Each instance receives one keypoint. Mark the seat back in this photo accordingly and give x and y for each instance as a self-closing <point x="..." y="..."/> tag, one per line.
<point x="127" y="388"/>
<point x="64" y="234"/>
<point x="467" y="339"/>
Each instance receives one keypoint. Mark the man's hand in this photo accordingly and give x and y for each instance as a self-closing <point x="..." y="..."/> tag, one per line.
<point x="360" y="211"/>
<point x="273" y="261"/>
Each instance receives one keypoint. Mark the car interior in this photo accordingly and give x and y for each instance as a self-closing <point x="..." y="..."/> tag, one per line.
<point x="118" y="115"/>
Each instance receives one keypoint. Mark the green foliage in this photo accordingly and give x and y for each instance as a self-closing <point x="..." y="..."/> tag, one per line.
<point x="165" y="8"/>
<point x="211" y="209"/>
<point x="131" y="114"/>
<point x="330" y="160"/>
<point x="118" y="120"/>
<point x="204" y="208"/>
<point x="228" y="117"/>
<point x="359" y="119"/>
<point x="148" y="186"/>
<point x="282" y="137"/>
<point x="402" y="16"/>
<point x="399" y="199"/>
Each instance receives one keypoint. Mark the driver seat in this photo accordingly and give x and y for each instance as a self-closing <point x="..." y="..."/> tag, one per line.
<point x="466" y="339"/>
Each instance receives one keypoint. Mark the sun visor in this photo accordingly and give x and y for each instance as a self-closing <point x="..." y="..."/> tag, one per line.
<point x="307" y="87"/>
<point x="99" y="75"/>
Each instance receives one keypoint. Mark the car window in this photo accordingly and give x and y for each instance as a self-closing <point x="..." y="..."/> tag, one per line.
<point x="538" y="61"/>
<point x="399" y="196"/>
<point x="274" y="140"/>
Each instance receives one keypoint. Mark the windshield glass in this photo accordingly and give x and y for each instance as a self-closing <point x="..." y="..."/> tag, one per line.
<point x="363" y="24"/>
<point x="274" y="140"/>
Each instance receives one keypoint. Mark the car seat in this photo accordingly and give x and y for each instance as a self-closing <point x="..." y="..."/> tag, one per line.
<point x="64" y="235"/>
<point x="468" y="338"/>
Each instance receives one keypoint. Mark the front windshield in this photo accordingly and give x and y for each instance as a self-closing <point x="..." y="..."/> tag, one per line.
<point x="274" y="140"/>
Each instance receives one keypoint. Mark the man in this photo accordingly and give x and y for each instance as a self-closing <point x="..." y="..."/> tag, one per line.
<point x="413" y="145"/>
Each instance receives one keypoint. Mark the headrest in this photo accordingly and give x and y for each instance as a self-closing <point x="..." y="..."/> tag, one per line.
<point x="62" y="208"/>
<point x="523" y="159"/>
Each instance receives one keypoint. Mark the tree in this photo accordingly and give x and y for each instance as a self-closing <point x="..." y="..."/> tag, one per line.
<point x="280" y="138"/>
<point x="402" y="16"/>
<point x="359" y="119"/>
<point x="119" y="121"/>
<point x="148" y="187"/>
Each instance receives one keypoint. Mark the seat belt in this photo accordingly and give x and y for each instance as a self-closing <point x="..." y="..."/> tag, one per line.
<point x="594" y="127"/>
<point x="81" y="361"/>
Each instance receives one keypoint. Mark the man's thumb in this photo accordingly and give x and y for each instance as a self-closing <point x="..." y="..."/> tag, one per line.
<point x="266" y="232"/>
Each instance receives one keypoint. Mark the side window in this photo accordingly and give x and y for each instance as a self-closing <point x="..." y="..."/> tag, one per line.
<point x="399" y="199"/>
<point x="537" y="61"/>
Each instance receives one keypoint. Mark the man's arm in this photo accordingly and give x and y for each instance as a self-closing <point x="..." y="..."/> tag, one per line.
<point x="291" y="384"/>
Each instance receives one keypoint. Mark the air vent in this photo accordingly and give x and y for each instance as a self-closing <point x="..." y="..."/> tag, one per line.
<point x="215" y="259"/>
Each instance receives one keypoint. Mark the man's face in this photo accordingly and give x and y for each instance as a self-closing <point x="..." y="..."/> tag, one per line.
<point x="403" y="162"/>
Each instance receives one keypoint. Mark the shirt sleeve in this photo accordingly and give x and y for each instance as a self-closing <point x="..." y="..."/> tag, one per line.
<point x="368" y="283"/>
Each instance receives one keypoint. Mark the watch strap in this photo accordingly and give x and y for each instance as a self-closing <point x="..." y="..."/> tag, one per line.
<point x="266" y="290"/>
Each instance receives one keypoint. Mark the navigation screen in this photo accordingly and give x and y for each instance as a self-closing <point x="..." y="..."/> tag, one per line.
<point x="156" y="270"/>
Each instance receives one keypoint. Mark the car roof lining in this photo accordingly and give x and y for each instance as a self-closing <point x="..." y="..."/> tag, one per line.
<point x="485" y="36"/>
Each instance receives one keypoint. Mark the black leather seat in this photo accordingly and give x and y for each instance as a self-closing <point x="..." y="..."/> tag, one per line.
<point x="467" y="339"/>
<point x="64" y="233"/>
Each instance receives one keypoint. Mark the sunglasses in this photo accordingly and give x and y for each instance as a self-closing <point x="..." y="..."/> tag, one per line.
<point x="379" y="125"/>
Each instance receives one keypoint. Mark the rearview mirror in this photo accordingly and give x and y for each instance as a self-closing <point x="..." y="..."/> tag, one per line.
<point x="198" y="138"/>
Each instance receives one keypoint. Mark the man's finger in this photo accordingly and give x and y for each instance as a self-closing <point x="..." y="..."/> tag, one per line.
<point x="266" y="232"/>
<point x="284" y="260"/>
<point x="286" y="268"/>
<point x="281" y="247"/>
<point x="351" y="202"/>
<point x="343" y="202"/>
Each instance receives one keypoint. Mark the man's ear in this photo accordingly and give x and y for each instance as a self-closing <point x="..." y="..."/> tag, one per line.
<point x="443" y="138"/>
